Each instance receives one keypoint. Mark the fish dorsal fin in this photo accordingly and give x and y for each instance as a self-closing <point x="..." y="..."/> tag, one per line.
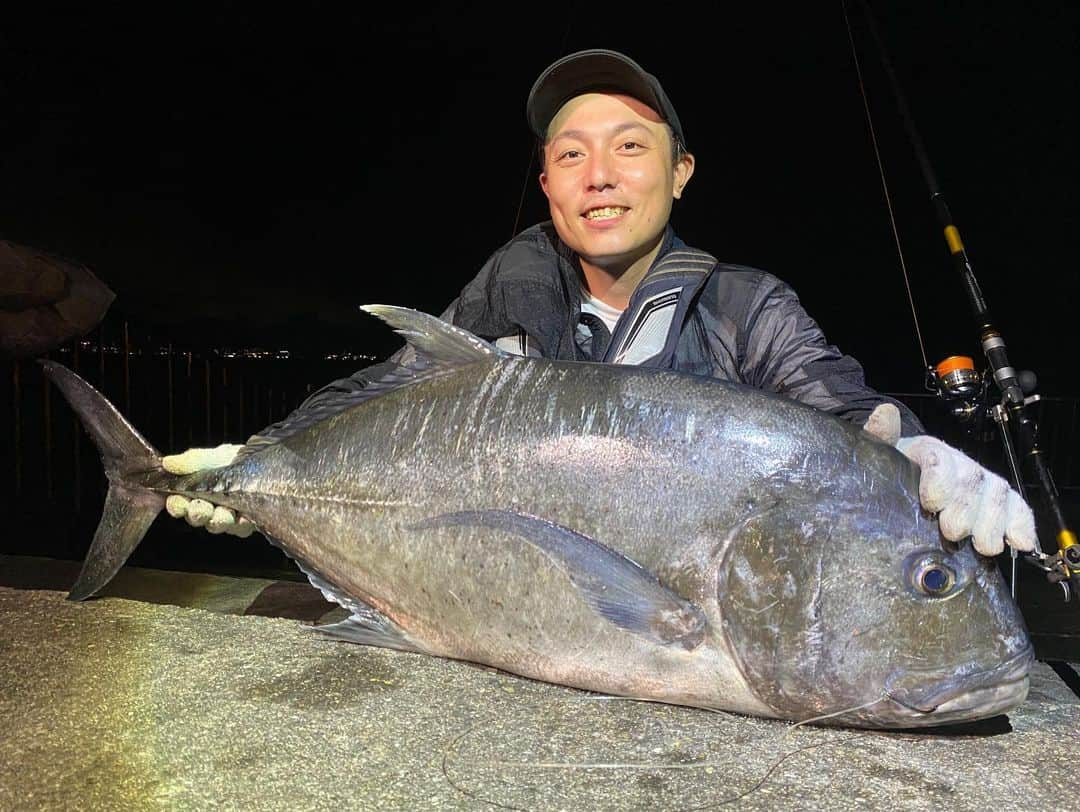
<point x="434" y="339"/>
<point x="435" y="347"/>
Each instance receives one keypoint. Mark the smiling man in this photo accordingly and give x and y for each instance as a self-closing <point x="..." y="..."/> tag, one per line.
<point x="611" y="171"/>
<point x="607" y="280"/>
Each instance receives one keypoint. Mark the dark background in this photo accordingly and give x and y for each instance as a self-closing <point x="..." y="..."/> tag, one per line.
<point x="252" y="173"/>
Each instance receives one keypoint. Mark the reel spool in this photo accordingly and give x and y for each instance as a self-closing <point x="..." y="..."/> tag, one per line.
<point x="956" y="381"/>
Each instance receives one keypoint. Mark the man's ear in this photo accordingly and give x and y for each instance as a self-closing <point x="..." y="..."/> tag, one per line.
<point x="684" y="170"/>
<point x="543" y="184"/>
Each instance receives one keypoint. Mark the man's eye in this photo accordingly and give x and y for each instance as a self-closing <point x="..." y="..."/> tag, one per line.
<point x="631" y="145"/>
<point x="570" y="153"/>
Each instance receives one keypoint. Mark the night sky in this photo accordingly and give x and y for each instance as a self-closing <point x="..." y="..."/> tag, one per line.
<point x="258" y="171"/>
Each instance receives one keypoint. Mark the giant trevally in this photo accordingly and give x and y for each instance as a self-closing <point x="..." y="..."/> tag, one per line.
<point x="631" y="531"/>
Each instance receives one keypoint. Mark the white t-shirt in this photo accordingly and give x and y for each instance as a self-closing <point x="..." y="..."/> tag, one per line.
<point x="605" y="312"/>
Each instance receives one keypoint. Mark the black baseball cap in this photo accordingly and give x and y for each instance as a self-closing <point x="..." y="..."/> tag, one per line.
<point x="591" y="71"/>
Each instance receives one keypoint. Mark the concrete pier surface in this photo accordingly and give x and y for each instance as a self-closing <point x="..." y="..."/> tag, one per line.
<point x="184" y="691"/>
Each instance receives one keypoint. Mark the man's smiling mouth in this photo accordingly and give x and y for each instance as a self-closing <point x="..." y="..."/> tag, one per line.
<point x="605" y="212"/>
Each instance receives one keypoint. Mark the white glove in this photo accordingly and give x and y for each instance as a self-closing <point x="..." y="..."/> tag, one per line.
<point x="969" y="499"/>
<point x="199" y="512"/>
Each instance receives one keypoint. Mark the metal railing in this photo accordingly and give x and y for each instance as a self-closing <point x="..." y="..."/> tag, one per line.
<point x="52" y="482"/>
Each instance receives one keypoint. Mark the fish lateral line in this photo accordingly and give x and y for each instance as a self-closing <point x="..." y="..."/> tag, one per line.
<point x="283" y="496"/>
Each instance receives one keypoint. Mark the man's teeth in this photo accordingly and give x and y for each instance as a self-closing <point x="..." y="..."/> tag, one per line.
<point x="605" y="213"/>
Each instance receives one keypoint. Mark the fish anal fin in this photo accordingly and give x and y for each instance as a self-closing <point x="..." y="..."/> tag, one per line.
<point x="371" y="628"/>
<point x="366" y="625"/>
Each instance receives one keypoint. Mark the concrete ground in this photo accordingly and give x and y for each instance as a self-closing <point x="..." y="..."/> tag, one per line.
<point x="181" y="691"/>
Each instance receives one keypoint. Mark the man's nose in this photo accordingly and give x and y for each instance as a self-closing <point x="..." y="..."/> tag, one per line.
<point x="602" y="173"/>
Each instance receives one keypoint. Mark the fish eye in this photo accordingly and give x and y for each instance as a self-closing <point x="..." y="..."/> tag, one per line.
<point x="934" y="578"/>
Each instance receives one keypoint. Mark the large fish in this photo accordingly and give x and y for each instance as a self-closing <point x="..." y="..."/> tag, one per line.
<point x="629" y="531"/>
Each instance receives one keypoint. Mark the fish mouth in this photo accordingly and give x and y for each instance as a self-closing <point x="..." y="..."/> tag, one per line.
<point x="969" y="706"/>
<point x="963" y="697"/>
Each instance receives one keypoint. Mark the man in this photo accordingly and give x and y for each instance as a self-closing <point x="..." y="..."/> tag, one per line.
<point x="607" y="280"/>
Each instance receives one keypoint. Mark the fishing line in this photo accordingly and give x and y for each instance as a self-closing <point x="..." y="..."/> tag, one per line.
<point x="534" y="150"/>
<point x="524" y="186"/>
<point x="453" y="750"/>
<point x="452" y="747"/>
<point x="765" y="776"/>
<point x="881" y="698"/>
<point x="884" y="184"/>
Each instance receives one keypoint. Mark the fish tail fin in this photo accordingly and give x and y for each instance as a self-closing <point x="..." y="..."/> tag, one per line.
<point x="129" y="509"/>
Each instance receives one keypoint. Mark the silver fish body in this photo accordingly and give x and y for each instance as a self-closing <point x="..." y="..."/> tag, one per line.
<point x="630" y="531"/>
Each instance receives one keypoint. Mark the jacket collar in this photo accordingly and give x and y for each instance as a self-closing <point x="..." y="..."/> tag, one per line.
<point x="534" y="284"/>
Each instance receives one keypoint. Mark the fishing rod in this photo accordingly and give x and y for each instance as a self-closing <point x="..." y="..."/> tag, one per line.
<point x="955" y="379"/>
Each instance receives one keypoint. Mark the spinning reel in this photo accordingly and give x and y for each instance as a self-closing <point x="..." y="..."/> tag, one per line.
<point x="966" y="395"/>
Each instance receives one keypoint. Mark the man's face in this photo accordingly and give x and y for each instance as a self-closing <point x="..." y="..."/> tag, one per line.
<point x="609" y="179"/>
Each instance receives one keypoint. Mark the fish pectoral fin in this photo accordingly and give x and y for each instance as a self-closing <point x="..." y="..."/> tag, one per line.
<point x="616" y="587"/>
<point x="371" y="628"/>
